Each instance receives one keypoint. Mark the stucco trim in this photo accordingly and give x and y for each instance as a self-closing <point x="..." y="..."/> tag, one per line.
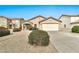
<point x="75" y="23"/>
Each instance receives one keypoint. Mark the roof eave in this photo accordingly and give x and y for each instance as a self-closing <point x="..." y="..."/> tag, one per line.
<point x="36" y="17"/>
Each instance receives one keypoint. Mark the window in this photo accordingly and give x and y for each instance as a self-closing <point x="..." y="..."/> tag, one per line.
<point x="35" y="25"/>
<point x="64" y="25"/>
<point x="10" y="26"/>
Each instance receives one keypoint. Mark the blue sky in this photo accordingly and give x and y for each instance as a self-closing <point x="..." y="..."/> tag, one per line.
<point x="29" y="11"/>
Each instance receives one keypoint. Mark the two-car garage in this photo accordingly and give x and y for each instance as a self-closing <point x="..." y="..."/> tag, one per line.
<point x="50" y="25"/>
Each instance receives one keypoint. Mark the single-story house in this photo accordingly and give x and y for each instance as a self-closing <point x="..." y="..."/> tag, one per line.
<point x="68" y="21"/>
<point x="47" y="24"/>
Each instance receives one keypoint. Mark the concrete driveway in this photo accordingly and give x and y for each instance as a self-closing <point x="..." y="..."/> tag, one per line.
<point x="18" y="43"/>
<point x="65" y="43"/>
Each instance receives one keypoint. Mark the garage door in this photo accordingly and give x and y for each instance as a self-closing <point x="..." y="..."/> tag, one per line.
<point x="50" y="27"/>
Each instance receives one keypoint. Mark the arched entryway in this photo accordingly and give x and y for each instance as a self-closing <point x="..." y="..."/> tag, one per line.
<point x="27" y="26"/>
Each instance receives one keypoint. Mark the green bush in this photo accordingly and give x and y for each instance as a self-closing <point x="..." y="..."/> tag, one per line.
<point x="34" y="28"/>
<point x="16" y="30"/>
<point x="3" y="28"/>
<point x="39" y="37"/>
<point x="75" y="29"/>
<point x="4" y="32"/>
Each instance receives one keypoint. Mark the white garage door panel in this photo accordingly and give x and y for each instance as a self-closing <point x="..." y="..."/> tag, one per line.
<point x="50" y="27"/>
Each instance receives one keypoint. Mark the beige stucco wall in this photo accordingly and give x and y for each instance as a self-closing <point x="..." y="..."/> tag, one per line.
<point x="36" y="21"/>
<point x="65" y="20"/>
<point x="50" y="25"/>
<point x="50" y="21"/>
<point x="73" y="19"/>
<point x="3" y="22"/>
<point x="17" y="23"/>
<point x="74" y="25"/>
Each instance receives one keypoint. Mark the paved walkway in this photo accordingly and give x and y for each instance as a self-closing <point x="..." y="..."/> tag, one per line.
<point x="18" y="42"/>
<point x="64" y="42"/>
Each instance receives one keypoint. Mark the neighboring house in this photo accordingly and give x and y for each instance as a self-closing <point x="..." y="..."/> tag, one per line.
<point x="68" y="21"/>
<point x="4" y="21"/>
<point x="11" y="22"/>
<point x="17" y="22"/>
<point x="47" y="24"/>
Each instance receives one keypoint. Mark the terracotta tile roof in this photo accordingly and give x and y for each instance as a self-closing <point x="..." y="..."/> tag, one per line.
<point x="17" y="18"/>
<point x="36" y="17"/>
<point x="54" y="19"/>
<point x="4" y="17"/>
<point x="69" y="15"/>
<point x="42" y="20"/>
<point x="12" y="18"/>
<point x="51" y="18"/>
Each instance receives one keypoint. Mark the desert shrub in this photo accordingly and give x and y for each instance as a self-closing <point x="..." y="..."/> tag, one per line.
<point x="75" y="29"/>
<point x="20" y="28"/>
<point x="34" y="28"/>
<point x="16" y="30"/>
<point x="39" y="37"/>
<point x="4" y="32"/>
<point x="3" y="28"/>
